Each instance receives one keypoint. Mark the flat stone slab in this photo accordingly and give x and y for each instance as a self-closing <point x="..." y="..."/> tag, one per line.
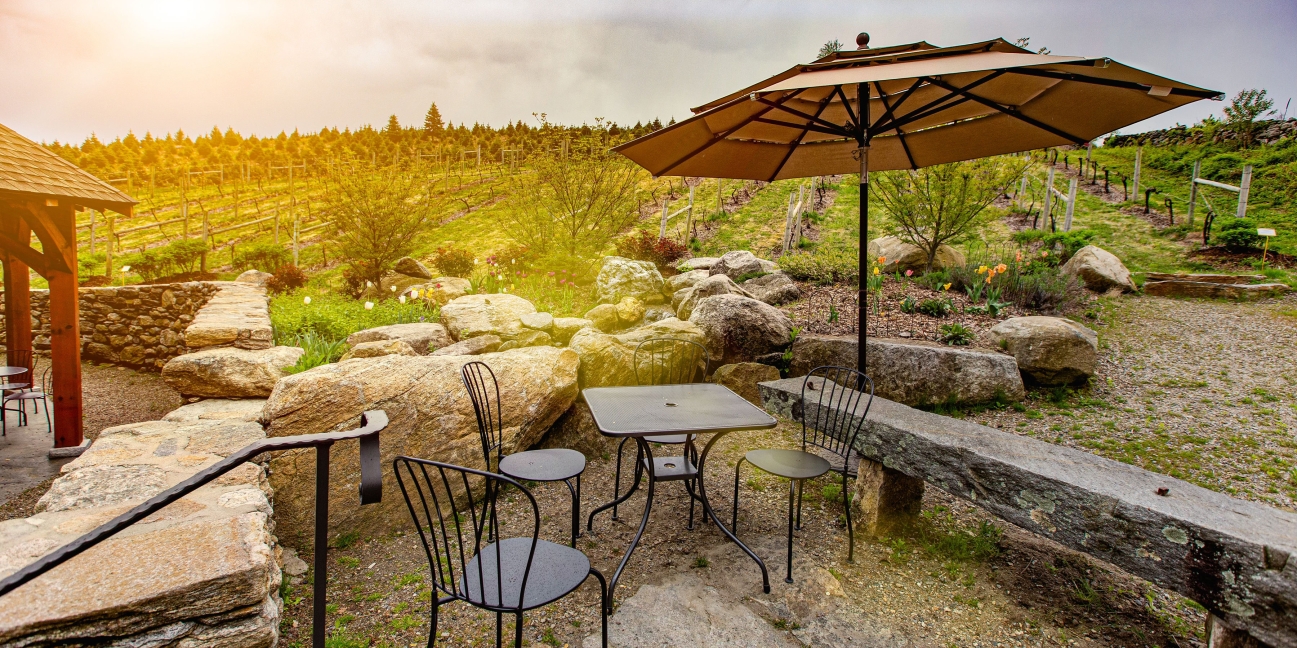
<point x="237" y="315"/>
<point x="927" y="373"/>
<point x="1233" y="556"/>
<point x="1210" y="278"/>
<point x="1209" y="290"/>
<point x="238" y="409"/>
<point x="229" y="372"/>
<point x="423" y="337"/>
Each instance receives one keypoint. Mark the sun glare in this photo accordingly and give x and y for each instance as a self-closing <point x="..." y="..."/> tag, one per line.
<point x="176" y="17"/>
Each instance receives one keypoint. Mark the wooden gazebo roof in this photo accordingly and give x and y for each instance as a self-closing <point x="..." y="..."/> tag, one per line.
<point x="31" y="171"/>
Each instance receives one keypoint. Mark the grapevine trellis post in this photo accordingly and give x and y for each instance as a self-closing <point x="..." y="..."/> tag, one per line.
<point x="1134" y="180"/>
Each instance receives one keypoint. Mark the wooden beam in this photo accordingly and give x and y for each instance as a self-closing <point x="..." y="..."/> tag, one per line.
<point x="17" y="284"/>
<point x="54" y="242"/>
<point x="21" y="251"/>
<point x="65" y="333"/>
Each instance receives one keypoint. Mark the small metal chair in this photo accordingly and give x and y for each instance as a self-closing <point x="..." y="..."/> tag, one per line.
<point x="831" y="420"/>
<point x="511" y="575"/>
<point x="549" y="465"/>
<point x="27" y="395"/>
<point x="18" y="358"/>
<point x="666" y="361"/>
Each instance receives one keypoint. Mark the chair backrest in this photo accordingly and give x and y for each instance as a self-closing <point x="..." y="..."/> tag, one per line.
<point x="831" y="412"/>
<point x="47" y="384"/>
<point x="484" y="391"/>
<point x="21" y="358"/>
<point x="670" y="361"/>
<point x="454" y="511"/>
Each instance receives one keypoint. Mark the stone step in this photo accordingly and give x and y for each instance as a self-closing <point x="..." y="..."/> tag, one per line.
<point x="237" y="315"/>
<point x="1209" y="290"/>
<point x="1211" y="278"/>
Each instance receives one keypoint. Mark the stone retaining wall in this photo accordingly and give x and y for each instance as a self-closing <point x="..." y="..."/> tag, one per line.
<point x="136" y="326"/>
<point x="202" y="572"/>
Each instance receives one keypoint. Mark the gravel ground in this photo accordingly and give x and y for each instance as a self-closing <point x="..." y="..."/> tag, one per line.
<point x="111" y="396"/>
<point x="1199" y="390"/>
<point x="930" y="586"/>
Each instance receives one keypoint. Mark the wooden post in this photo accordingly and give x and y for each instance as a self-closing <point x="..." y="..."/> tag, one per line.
<point x="1139" y="153"/>
<point x="1071" y="205"/>
<point x="92" y="231"/>
<point x="18" y="300"/>
<point x="666" y="204"/>
<point x="65" y="332"/>
<point x="184" y="203"/>
<point x="108" y="263"/>
<point x="276" y="222"/>
<point x="1049" y="192"/>
<point x="294" y="241"/>
<point x="689" y="220"/>
<point x="720" y="206"/>
<point x="1243" y="187"/>
<point x="1193" y="189"/>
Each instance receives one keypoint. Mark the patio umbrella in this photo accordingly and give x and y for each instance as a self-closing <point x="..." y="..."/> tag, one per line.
<point x="924" y="105"/>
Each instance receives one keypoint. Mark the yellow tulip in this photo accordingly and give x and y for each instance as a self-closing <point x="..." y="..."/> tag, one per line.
<point x="875" y="269"/>
<point x="981" y="270"/>
<point x="946" y="287"/>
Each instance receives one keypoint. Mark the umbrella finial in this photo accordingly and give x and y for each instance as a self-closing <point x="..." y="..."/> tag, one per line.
<point x="862" y="41"/>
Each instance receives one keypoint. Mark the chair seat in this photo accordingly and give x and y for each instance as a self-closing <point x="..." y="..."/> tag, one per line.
<point x="553" y="464"/>
<point x="790" y="464"/>
<point x="668" y="439"/>
<point x="34" y="394"/>
<point x="10" y="386"/>
<point x="555" y="571"/>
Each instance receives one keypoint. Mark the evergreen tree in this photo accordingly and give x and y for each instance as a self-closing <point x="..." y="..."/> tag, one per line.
<point x="432" y="124"/>
<point x="393" y="128"/>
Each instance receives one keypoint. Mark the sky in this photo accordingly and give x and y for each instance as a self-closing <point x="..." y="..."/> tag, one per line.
<point x="69" y="69"/>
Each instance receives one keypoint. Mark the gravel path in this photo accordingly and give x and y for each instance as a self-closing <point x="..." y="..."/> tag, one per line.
<point x="1199" y="390"/>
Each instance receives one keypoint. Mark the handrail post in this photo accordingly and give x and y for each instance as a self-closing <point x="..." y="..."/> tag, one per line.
<point x="321" y="576"/>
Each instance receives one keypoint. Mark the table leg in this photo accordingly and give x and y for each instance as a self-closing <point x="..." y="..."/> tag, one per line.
<point x="576" y="507"/>
<point x="589" y="525"/>
<point x="648" y="508"/>
<point x="707" y="508"/>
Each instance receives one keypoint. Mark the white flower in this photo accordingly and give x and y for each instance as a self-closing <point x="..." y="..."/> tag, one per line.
<point x="369" y="284"/>
<point x="126" y="268"/>
<point x="513" y="261"/>
<point x="393" y="288"/>
<point x="369" y="305"/>
<point x="306" y="300"/>
<point x="402" y="299"/>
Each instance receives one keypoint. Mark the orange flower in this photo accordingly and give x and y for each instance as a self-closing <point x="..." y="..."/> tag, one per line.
<point x="988" y="279"/>
<point x="1019" y="257"/>
<point x="882" y="260"/>
<point x="1001" y="268"/>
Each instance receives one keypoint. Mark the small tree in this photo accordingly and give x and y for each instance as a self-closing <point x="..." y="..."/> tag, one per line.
<point x="378" y="216"/>
<point x="829" y="48"/>
<point x="1242" y="113"/>
<point x="943" y="203"/>
<point x="432" y="124"/>
<point x="575" y="201"/>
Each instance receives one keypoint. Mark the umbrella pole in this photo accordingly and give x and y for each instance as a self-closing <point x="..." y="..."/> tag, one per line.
<point x="861" y="353"/>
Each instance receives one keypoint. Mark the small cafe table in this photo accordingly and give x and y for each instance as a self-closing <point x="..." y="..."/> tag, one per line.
<point x="692" y="409"/>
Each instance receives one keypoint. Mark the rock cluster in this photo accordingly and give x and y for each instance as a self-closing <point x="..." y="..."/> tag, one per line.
<point x="900" y="256"/>
<point x="135" y="326"/>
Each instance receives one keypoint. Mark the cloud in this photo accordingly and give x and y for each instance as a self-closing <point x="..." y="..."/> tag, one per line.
<point x="157" y="65"/>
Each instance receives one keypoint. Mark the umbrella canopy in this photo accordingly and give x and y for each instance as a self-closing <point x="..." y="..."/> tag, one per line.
<point x="906" y="107"/>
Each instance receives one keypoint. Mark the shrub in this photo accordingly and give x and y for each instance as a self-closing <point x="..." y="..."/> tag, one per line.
<point x="287" y="277"/>
<point x="646" y="246"/>
<point x="1069" y="241"/>
<point x="825" y="265"/>
<point x="935" y="307"/>
<point x="1238" y="234"/>
<point x="266" y="257"/>
<point x="176" y="257"/>
<point x="1026" y="237"/>
<point x="956" y="334"/>
<point x="453" y="262"/>
<point x="935" y="280"/>
<point x="319" y="350"/>
<point x="909" y="304"/>
<point x="378" y="216"/>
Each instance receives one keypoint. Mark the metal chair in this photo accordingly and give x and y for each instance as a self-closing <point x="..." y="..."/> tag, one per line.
<point x="18" y="358"/>
<point x="830" y="423"/>
<point x="549" y="465"/>
<point x="26" y="395"/>
<point x="511" y="575"/>
<point x="666" y="361"/>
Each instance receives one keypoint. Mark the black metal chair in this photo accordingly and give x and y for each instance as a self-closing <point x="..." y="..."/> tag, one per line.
<point x="26" y="395"/>
<point x="831" y="423"/>
<point x="18" y="358"/>
<point x="511" y="575"/>
<point x="549" y="465"/>
<point x="666" y="361"/>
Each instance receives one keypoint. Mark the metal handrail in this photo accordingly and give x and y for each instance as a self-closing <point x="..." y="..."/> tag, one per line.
<point x="371" y="492"/>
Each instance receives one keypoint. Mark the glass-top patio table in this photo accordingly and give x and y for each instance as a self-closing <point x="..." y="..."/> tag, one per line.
<point x="694" y="408"/>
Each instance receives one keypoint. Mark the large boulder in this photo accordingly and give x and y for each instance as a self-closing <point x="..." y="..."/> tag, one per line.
<point x="527" y="338"/>
<point x="576" y="430"/>
<point x="423" y="337"/>
<point x="430" y="416"/>
<point x="254" y="277"/>
<point x="621" y="277"/>
<point x="710" y="287"/>
<point x="811" y="350"/>
<point x="230" y="372"/>
<point x="685" y="280"/>
<point x="1099" y="269"/>
<point x="472" y="346"/>
<point x="495" y="314"/>
<point x="538" y="321"/>
<point x="379" y="348"/>
<point x="741" y="262"/>
<point x="697" y="263"/>
<point x="608" y="360"/>
<point x="1213" y="290"/>
<point x="740" y="329"/>
<point x="927" y="373"/>
<point x="775" y="288"/>
<point x="1049" y="350"/>
<point x="411" y="268"/>
<point x="658" y="312"/>
<point x="630" y="311"/>
<point x="742" y="378"/>
<point x="900" y="256"/>
<point x="603" y="317"/>
<point x="566" y="327"/>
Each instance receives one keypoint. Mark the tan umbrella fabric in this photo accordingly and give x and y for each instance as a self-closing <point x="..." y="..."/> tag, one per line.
<point x="927" y="105"/>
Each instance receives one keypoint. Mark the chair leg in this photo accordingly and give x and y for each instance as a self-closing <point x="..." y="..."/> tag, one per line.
<point x="603" y="603"/>
<point x="499" y="630"/>
<point x="576" y="507"/>
<point x="851" y="531"/>
<point x="734" y="523"/>
<point x="792" y="491"/>
<point x="689" y="488"/>
<point x="432" y="630"/>
<point x="799" y="504"/>
<point x="616" y="484"/>
<point x="517" y="632"/>
<point x="49" y="427"/>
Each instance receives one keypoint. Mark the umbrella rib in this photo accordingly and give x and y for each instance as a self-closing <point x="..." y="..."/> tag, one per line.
<point x="1129" y="85"/>
<point x="793" y="111"/>
<point x="721" y="137"/>
<point x="899" y="135"/>
<point x="818" y="129"/>
<point x="824" y="103"/>
<point x="1012" y="113"/>
<point x="851" y="114"/>
<point x="933" y="107"/>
